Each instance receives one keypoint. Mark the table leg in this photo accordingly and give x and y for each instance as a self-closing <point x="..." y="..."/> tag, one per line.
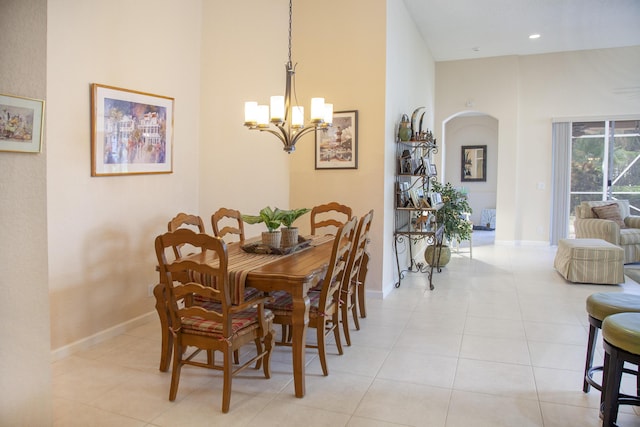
<point x="300" y="321"/>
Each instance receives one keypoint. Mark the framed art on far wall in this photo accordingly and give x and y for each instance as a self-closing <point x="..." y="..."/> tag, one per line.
<point x="337" y="146"/>
<point x="131" y="132"/>
<point x="474" y="163"/>
<point x="21" y="121"/>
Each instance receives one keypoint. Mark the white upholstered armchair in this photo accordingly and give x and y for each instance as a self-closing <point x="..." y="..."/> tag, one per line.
<point x="604" y="223"/>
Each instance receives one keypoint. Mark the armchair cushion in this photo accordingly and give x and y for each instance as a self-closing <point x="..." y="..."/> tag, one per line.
<point x="610" y="212"/>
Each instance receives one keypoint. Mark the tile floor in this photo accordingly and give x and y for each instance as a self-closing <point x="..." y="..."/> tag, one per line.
<point x="499" y="342"/>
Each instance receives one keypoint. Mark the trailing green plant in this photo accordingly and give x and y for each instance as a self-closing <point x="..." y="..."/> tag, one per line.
<point x="272" y="218"/>
<point x="451" y="213"/>
<point x="289" y="216"/>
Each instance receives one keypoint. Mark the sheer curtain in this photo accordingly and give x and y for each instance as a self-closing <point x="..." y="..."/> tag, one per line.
<point x="560" y="179"/>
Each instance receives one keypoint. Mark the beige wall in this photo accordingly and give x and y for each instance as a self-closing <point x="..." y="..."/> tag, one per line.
<point x="101" y="229"/>
<point x="242" y="60"/>
<point x="345" y="64"/>
<point x="473" y="130"/>
<point x="25" y="363"/>
<point x="524" y="94"/>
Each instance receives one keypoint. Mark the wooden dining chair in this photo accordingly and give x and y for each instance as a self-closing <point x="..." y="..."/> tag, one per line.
<point x="227" y="222"/>
<point x="324" y="306"/>
<point x="184" y="220"/>
<point x="350" y="283"/>
<point x="217" y="324"/>
<point x="332" y="215"/>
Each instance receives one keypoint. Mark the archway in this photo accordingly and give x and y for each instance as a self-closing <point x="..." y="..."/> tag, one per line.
<point x="464" y="129"/>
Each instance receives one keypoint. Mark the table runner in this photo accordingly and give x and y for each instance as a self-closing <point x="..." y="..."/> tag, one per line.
<point x="241" y="263"/>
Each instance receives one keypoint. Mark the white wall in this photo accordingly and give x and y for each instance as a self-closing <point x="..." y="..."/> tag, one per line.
<point x="524" y="94"/>
<point x="25" y="364"/>
<point x="409" y="84"/>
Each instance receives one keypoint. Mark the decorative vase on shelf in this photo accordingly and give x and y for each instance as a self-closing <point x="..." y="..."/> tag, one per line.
<point x="404" y="133"/>
<point x="289" y="236"/>
<point x="272" y="238"/>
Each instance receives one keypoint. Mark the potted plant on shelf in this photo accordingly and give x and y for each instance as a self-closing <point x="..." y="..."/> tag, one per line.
<point x="272" y="218"/>
<point x="290" y="233"/>
<point x="452" y="215"/>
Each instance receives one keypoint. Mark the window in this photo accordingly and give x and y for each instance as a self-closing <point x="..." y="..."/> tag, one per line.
<point x="605" y="162"/>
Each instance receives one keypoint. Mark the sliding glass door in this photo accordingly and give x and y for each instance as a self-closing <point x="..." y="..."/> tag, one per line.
<point x="605" y="163"/>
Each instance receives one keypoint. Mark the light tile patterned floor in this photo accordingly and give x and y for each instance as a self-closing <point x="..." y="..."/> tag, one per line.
<point x="499" y="342"/>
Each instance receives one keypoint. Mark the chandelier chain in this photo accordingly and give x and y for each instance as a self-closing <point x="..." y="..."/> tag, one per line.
<point x="290" y="20"/>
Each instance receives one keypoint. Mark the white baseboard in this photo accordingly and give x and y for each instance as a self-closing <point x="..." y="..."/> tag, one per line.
<point x="85" y="343"/>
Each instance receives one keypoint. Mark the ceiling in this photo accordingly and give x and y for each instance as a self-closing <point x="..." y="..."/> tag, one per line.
<point x="464" y="29"/>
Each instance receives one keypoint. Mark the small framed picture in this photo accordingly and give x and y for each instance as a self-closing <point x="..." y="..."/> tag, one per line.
<point x="433" y="171"/>
<point x="337" y="146"/>
<point x="436" y="198"/>
<point x="131" y="132"/>
<point x="21" y="122"/>
<point x="474" y="163"/>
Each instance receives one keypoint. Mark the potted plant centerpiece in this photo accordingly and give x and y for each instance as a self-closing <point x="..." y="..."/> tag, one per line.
<point x="290" y="233"/>
<point x="452" y="215"/>
<point x="272" y="218"/>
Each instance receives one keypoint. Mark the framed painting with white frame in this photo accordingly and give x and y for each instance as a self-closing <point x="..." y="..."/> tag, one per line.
<point x="337" y="146"/>
<point x="21" y="124"/>
<point x="131" y="132"/>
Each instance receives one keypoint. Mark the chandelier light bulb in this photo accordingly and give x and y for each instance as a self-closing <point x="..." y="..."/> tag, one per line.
<point x="250" y="113"/>
<point x="277" y="109"/>
<point x="297" y="119"/>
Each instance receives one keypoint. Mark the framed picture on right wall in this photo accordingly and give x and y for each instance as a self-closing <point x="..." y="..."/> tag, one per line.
<point x="473" y="163"/>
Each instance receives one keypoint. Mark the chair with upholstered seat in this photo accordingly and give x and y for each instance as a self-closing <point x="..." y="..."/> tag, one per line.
<point x="331" y="215"/>
<point x="217" y="324"/>
<point x="190" y="222"/>
<point x="184" y="220"/>
<point x="324" y="307"/>
<point x="351" y="281"/>
<point x="227" y="222"/>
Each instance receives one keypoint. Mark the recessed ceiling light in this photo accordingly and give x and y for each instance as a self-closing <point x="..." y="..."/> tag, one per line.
<point x="475" y="49"/>
<point x="534" y="36"/>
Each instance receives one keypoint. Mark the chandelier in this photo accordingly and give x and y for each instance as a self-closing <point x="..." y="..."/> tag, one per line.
<point x="284" y="120"/>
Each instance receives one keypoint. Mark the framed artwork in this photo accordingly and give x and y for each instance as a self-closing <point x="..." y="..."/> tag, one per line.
<point x="474" y="163"/>
<point x="131" y="132"/>
<point x="21" y="123"/>
<point x="337" y="146"/>
<point x="433" y="171"/>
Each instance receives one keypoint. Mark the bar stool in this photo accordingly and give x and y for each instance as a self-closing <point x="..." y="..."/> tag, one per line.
<point x="621" y="336"/>
<point x="599" y="306"/>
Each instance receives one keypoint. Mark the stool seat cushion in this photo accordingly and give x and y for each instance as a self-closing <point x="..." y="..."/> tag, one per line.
<point x="590" y="261"/>
<point x="603" y="304"/>
<point x="622" y="330"/>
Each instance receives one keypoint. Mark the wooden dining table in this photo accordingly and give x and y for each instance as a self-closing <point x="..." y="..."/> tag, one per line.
<point x="295" y="273"/>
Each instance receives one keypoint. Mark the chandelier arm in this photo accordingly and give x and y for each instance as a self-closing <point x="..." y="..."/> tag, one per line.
<point x="301" y="133"/>
<point x="282" y="137"/>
